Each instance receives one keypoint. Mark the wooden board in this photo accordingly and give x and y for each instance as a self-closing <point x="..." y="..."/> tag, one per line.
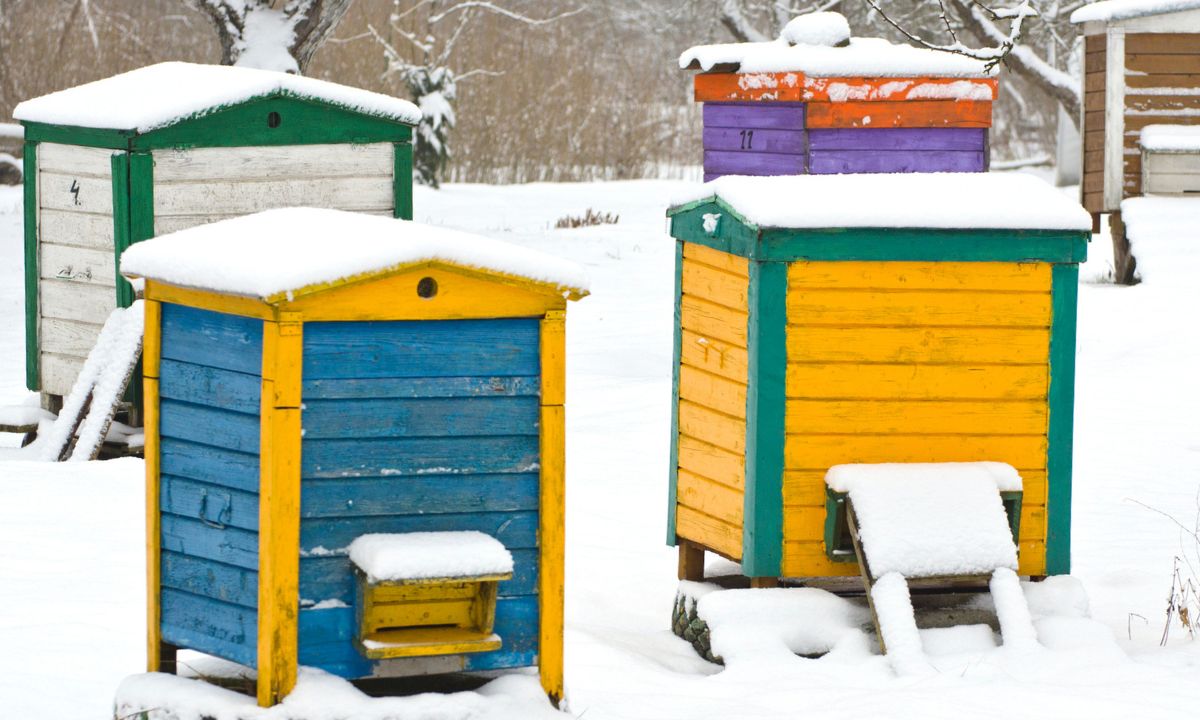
<point x="913" y="114"/>
<point x="272" y="162"/>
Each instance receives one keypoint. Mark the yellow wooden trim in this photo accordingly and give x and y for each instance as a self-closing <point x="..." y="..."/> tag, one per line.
<point x="206" y="300"/>
<point x="731" y="291"/>
<point x="734" y="264"/>
<point x="714" y="321"/>
<point x="712" y="427"/>
<point x="820" y="452"/>
<point x="713" y="356"/>
<point x="711" y="532"/>
<point x="888" y="275"/>
<point x="918" y="345"/>
<point x="419" y="642"/>
<point x="710" y="497"/>
<point x="152" y="339"/>
<point x="712" y="462"/>
<point x="553" y="350"/>
<point x="910" y="381"/>
<point x="712" y="391"/>
<point x="279" y="511"/>
<point x="918" y="307"/>
<point x="151" y="353"/>
<point x="552" y="548"/>
<point x="1016" y="417"/>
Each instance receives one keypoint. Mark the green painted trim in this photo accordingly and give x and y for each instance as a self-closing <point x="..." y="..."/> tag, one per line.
<point x="302" y="122"/>
<point x="838" y="546"/>
<point x="402" y="181"/>
<point x="120" y="186"/>
<point x="33" y="379"/>
<point x="1064" y="303"/>
<point x="731" y="235"/>
<point x="762" y="525"/>
<point x="676" y="359"/>
<point x="75" y="135"/>
<point x="1012" y="505"/>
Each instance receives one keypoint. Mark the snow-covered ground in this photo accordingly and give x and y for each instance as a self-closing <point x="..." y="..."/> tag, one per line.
<point x="71" y="555"/>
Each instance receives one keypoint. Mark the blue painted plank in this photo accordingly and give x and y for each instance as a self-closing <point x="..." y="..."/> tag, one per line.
<point x="208" y="338"/>
<point x="203" y="385"/>
<point x="449" y="387"/>
<point x="210" y="626"/>
<point x="515" y="530"/>
<point x="444" y="348"/>
<point x="331" y="577"/>
<point x="437" y="417"/>
<point x="500" y="660"/>
<point x="425" y="494"/>
<point x="418" y="456"/>
<point x="206" y="578"/>
<point x="209" y="426"/>
<point x="211" y="504"/>
<point x="192" y="537"/>
<point x="212" y="465"/>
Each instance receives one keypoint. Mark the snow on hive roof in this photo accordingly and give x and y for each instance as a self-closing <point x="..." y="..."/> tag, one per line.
<point x="426" y="555"/>
<point x="931" y="519"/>
<point x="1179" y="138"/>
<point x="1005" y="201"/>
<point x="280" y="251"/>
<point x="159" y="95"/>
<point x="1109" y="10"/>
<point x="863" y="57"/>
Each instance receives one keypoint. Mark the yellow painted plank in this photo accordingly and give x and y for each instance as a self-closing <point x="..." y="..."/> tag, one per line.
<point x="553" y="348"/>
<point x="279" y="510"/>
<point x="918" y="308"/>
<point x="723" y="537"/>
<point x="1017" y="277"/>
<point x="820" y="452"/>
<point x="1034" y="482"/>
<point x="808" y="559"/>
<point x="151" y="451"/>
<point x="1033" y="523"/>
<point x="712" y="462"/>
<point x="1031" y="558"/>
<point x="918" y="345"/>
<point x="711" y="355"/>
<point x="715" y="285"/>
<point x="552" y="548"/>
<point x="918" y="382"/>
<point x="1014" y="417"/>
<point x="712" y="427"/>
<point x="446" y="590"/>
<point x="711" y="498"/>
<point x="713" y="321"/>
<point x="447" y="611"/>
<point x="152" y="341"/>
<point x="803" y="487"/>
<point x="229" y="304"/>
<point x="712" y="391"/>
<point x="735" y="264"/>
<point x="421" y="642"/>
<point x="804" y="524"/>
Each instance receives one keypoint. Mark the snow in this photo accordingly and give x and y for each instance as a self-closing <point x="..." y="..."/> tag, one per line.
<point x="1109" y="10"/>
<point x="159" y="95"/>
<point x="11" y="131"/>
<point x="266" y="36"/>
<point x="752" y="624"/>
<point x="930" y="519"/>
<point x="1012" y="610"/>
<point x="1162" y="232"/>
<point x="288" y="249"/>
<point x="1009" y="201"/>
<point x="843" y="91"/>
<point x="893" y="606"/>
<point x="1171" y="138"/>
<point x="827" y="29"/>
<point x="66" y="527"/>
<point x="23" y="415"/>
<point x="426" y="555"/>
<point x="861" y="57"/>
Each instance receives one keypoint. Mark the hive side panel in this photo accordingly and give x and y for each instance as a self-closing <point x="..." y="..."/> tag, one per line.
<point x="1171" y="173"/>
<point x="712" y="399"/>
<point x="1162" y="82"/>
<point x="209" y="388"/>
<point x="194" y="186"/>
<point x="754" y="138"/>
<point x="913" y="362"/>
<point x="76" y="267"/>
<point x="413" y="427"/>
<point x="1095" y="60"/>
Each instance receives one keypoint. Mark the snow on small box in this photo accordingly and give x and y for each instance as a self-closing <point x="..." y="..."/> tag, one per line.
<point x="818" y="101"/>
<point x="1171" y="159"/>
<point x="867" y="319"/>
<point x="331" y="376"/>
<point x="169" y="146"/>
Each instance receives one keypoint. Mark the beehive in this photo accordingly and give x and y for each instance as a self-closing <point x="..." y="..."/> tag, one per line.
<point x="401" y="379"/>
<point x="174" y="145"/>
<point x="867" y="319"/>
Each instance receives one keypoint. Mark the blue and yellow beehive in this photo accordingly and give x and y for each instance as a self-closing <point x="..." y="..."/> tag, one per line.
<point x="313" y="376"/>
<point x="867" y="319"/>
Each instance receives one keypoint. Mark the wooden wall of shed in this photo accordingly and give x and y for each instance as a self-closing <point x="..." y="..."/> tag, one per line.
<point x="712" y="399"/>
<point x="1162" y="85"/>
<point x="1095" y="48"/>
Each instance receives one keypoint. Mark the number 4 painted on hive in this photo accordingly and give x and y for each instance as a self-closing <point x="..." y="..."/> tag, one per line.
<point x="75" y="191"/>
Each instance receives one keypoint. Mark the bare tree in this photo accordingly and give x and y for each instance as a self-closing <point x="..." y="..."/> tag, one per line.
<point x="272" y="34"/>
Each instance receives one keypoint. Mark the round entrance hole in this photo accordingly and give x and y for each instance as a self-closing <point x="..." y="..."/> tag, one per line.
<point x="273" y="120"/>
<point x="427" y="287"/>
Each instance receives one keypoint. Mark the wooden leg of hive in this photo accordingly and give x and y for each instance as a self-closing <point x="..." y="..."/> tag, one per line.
<point x="1124" y="263"/>
<point x="691" y="561"/>
<point x="167" y="658"/>
<point x="764" y="582"/>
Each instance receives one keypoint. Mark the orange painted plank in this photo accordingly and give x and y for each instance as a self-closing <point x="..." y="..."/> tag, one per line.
<point x="770" y="87"/>
<point x="911" y="114"/>
<point x="873" y="89"/>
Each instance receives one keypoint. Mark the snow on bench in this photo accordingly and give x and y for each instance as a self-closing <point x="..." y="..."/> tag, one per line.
<point x="398" y="557"/>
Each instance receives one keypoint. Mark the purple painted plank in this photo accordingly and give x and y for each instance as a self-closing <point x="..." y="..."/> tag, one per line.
<point x="776" y="116"/>
<point x="836" y="162"/>
<point x="789" y="142"/>
<point x="718" y="162"/>
<point x="899" y="139"/>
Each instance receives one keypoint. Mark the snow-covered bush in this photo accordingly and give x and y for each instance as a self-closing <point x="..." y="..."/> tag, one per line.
<point x="433" y="90"/>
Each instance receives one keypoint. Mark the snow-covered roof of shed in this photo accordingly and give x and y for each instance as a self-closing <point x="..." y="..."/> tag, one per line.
<point x="1111" y="10"/>
<point x="159" y="95"/>
<point x="277" y="252"/>
<point x="1004" y="201"/>
<point x="861" y="57"/>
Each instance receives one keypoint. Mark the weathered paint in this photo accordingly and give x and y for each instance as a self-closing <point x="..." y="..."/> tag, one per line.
<point x="840" y="162"/>
<point x="1062" y="419"/>
<point x="793" y="86"/>
<point x="151" y="354"/>
<point x="29" y="166"/>
<point x="552" y="503"/>
<point x="676" y="359"/>
<point x="972" y="139"/>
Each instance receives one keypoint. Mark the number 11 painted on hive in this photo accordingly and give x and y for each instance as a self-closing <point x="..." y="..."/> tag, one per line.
<point x="747" y="139"/>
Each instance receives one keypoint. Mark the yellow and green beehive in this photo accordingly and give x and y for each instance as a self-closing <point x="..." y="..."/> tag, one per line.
<point x="867" y="319"/>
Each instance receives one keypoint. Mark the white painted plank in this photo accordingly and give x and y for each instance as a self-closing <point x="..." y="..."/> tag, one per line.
<point x="63" y="227"/>
<point x="1114" y="118"/>
<point x="231" y="197"/>
<point x="79" y="265"/>
<point x="68" y="337"/>
<point x="59" y="373"/>
<point x="1182" y="163"/>
<point x="1172" y="183"/>
<point x="77" y="193"/>
<point x="68" y="300"/>
<point x="172" y="223"/>
<point x="75" y="160"/>
<point x="266" y="163"/>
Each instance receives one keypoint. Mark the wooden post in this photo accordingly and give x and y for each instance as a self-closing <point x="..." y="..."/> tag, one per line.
<point x="691" y="561"/>
<point x="552" y="504"/>
<point x="1124" y="263"/>
<point x="764" y="582"/>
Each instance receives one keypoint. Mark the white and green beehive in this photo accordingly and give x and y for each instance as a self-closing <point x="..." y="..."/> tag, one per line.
<point x="173" y="145"/>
